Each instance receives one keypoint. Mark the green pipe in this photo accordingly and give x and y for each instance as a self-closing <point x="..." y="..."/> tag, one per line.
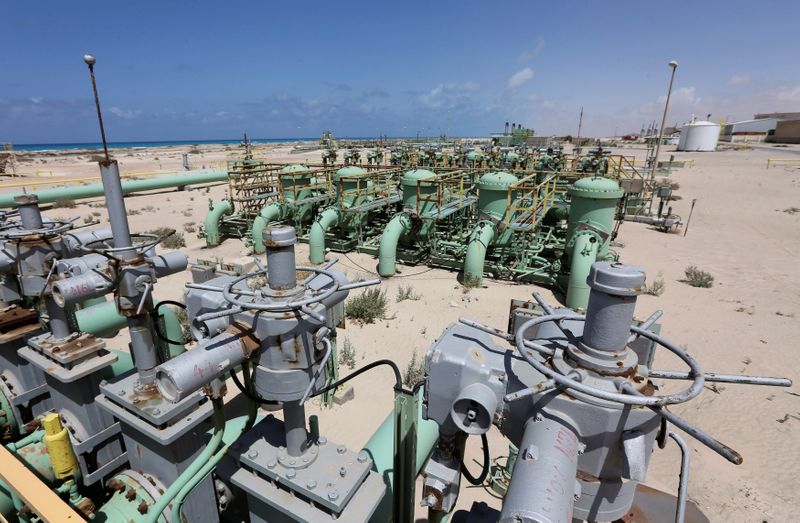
<point x="387" y="249"/>
<point x="381" y="449"/>
<point x="316" y="238"/>
<point x="104" y="320"/>
<point x="211" y="226"/>
<point x="94" y="190"/>
<point x="480" y="240"/>
<point x="584" y="254"/>
<point x="195" y="467"/>
<point x="123" y="364"/>
<point x="268" y="214"/>
<point x="237" y="427"/>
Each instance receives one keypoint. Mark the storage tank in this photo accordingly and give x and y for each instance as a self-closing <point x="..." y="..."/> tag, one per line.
<point x="409" y="182"/>
<point x="493" y="193"/>
<point x="699" y="136"/>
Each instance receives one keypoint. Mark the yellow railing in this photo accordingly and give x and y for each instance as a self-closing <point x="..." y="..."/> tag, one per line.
<point x="784" y="161"/>
<point x="450" y="188"/>
<point x="319" y="181"/>
<point x="528" y="200"/>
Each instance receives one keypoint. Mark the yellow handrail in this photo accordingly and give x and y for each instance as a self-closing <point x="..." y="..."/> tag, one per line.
<point x="781" y="160"/>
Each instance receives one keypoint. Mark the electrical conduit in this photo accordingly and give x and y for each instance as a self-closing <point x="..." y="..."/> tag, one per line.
<point x="387" y="250"/>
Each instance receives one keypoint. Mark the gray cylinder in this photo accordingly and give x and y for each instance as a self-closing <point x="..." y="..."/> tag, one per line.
<point x="542" y="487"/>
<point x="184" y="374"/>
<point x="29" y="212"/>
<point x="59" y="325"/>
<point x="294" y="424"/>
<point x="80" y="288"/>
<point x="612" y="302"/>
<point x="473" y="410"/>
<point x="279" y="241"/>
<point x="115" y="203"/>
<point x="143" y="348"/>
<point x="169" y="263"/>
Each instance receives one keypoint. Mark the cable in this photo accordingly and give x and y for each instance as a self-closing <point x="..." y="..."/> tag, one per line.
<point x="156" y="317"/>
<point x="486" y="464"/>
<point x="398" y="380"/>
<point x="247" y="393"/>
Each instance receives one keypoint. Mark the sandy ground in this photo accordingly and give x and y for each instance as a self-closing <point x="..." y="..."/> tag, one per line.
<point x="747" y="323"/>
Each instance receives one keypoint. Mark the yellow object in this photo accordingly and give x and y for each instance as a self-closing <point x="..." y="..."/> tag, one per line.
<point x="59" y="447"/>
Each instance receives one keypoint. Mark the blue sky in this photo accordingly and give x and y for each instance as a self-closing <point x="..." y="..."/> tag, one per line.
<point x="204" y="70"/>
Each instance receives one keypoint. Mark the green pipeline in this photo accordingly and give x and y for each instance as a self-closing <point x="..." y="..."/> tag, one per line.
<point x="480" y="240"/>
<point x="94" y="190"/>
<point x="381" y="449"/>
<point x="584" y="254"/>
<point x="387" y="250"/>
<point x="211" y="226"/>
<point x="103" y="318"/>
<point x="268" y="214"/>
<point x="316" y="238"/>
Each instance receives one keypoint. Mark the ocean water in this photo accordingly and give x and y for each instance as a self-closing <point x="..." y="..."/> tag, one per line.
<point x="140" y="145"/>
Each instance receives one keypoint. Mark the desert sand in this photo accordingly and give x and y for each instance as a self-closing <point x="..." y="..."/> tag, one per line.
<point x="748" y="322"/>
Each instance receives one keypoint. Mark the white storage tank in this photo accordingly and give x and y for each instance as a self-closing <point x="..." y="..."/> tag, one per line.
<point x="699" y="136"/>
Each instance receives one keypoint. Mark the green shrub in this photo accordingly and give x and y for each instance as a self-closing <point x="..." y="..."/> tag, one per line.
<point x="656" y="288"/>
<point x="64" y="204"/>
<point x="173" y="241"/>
<point x="406" y="292"/>
<point x="698" y="278"/>
<point x="347" y="355"/>
<point x="414" y="372"/>
<point x="367" y="307"/>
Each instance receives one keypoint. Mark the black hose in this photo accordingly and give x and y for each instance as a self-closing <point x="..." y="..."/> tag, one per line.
<point x="247" y="393"/>
<point x="156" y="317"/>
<point x="486" y="464"/>
<point x="398" y="380"/>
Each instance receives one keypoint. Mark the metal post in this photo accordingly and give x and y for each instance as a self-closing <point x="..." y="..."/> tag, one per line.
<point x="29" y="213"/>
<point x="405" y="452"/>
<point x="674" y="66"/>
<point x="294" y="422"/>
<point x="90" y="61"/>
<point x="279" y="241"/>
<point x="115" y="204"/>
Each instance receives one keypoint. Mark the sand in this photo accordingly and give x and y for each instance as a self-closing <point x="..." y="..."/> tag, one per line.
<point x="747" y="323"/>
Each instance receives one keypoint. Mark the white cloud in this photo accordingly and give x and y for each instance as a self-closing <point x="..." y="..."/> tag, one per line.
<point x="221" y="114"/>
<point x="533" y="53"/>
<point x="520" y="78"/>
<point x="739" y="79"/>
<point x="548" y="104"/>
<point x="36" y="99"/>
<point x="789" y="94"/>
<point x="447" y="95"/>
<point x="125" y="115"/>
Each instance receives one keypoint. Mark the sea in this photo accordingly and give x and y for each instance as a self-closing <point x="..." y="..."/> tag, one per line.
<point x="142" y="145"/>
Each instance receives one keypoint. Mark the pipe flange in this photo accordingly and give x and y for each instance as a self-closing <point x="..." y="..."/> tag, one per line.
<point x="150" y="485"/>
<point x="302" y="461"/>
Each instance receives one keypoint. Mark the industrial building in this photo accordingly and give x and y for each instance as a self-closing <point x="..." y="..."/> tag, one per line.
<point x="763" y="128"/>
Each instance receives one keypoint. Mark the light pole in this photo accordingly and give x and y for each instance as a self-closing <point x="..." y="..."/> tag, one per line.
<point x="674" y="65"/>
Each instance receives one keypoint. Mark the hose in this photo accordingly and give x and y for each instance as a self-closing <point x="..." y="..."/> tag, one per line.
<point x="206" y="469"/>
<point x="194" y="468"/>
<point x="155" y="315"/>
<point x="486" y="464"/>
<point x="398" y="379"/>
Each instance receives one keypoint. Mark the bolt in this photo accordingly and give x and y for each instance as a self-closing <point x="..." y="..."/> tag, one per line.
<point x="290" y="473"/>
<point x="311" y="484"/>
<point x="253" y="454"/>
<point x="363" y="456"/>
<point x="342" y="471"/>
<point x="323" y="440"/>
<point x="305" y="459"/>
<point x="292" y="461"/>
<point x="156" y="412"/>
<point x="333" y="495"/>
<point x="120" y="392"/>
<point x="429" y="501"/>
<point x="271" y="464"/>
<point x="341" y="449"/>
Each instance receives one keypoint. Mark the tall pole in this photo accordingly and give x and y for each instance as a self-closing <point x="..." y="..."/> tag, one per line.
<point x="674" y="65"/>
<point x="577" y="147"/>
<point x="90" y="61"/>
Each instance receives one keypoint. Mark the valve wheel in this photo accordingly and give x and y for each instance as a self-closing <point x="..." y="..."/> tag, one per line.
<point x="696" y="387"/>
<point x="149" y="241"/>
<point x="231" y="295"/>
<point x="9" y="231"/>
